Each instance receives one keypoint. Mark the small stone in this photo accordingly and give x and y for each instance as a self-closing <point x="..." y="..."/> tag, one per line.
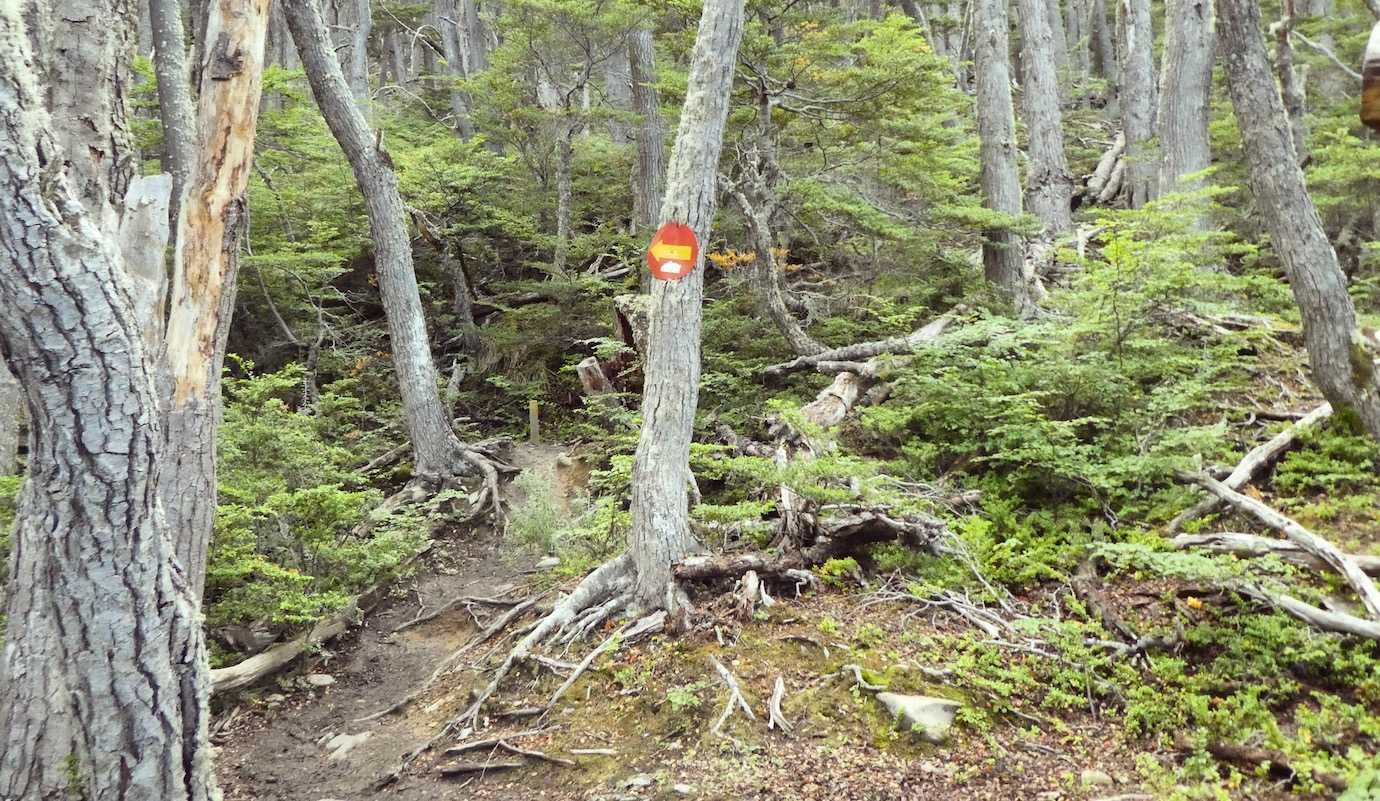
<point x="929" y="717"/>
<point x="320" y="679"/>
<point x="1096" y="778"/>
<point x="341" y="745"/>
<point x="548" y="563"/>
<point x="640" y="780"/>
<point x="273" y="699"/>
<point x="682" y="789"/>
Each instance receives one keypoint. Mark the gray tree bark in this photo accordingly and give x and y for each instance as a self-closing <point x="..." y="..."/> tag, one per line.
<point x="1138" y="100"/>
<point x="1190" y="45"/>
<point x="474" y="39"/>
<point x="1292" y="82"/>
<point x="766" y="275"/>
<point x="1104" y="47"/>
<point x="565" y="193"/>
<point x="448" y="15"/>
<point x="661" y="467"/>
<point x="1049" y="184"/>
<point x="1059" y="47"/>
<point x="649" y="172"/>
<point x="358" y="72"/>
<point x="103" y="679"/>
<point x="1342" y="359"/>
<point x="205" y="270"/>
<point x="84" y="52"/>
<point x="1080" y="40"/>
<point x="1003" y="256"/>
<point x="175" y="104"/>
<point x="11" y="396"/>
<point x="436" y="450"/>
<point x="618" y="92"/>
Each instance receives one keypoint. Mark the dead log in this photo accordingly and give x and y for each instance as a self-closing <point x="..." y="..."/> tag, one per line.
<point x="1106" y="165"/>
<point x="1256" y="545"/>
<point x="1319" y="547"/>
<point x="1321" y="619"/>
<point x="1257" y="459"/>
<point x="265" y="664"/>
<point x="1276" y="762"/>
<point x="863" y="351"/>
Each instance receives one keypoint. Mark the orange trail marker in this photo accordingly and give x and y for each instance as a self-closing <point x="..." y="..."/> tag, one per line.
<point x="673" y="252"/>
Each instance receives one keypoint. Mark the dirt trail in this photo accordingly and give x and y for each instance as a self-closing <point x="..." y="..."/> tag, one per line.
<point x="272" y="748"/>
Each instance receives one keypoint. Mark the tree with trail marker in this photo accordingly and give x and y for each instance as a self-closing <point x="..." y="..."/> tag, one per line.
<point x="640" y="581"/>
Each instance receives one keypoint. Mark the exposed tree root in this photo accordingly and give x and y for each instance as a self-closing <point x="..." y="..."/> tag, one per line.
<point x="465" y="600"/>
<point x="1256" y="545"/>
<point x="776" y="719"/>
<point x="735" y="701"/>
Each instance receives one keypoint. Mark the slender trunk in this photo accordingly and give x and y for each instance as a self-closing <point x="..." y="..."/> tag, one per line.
<point x="11" y="396"/>
<point x="1080" y="41"/>
<point x="649" y="172"/>
<point x="358" y="73"/>
<point x="1138" y="99"/>
<point x="103" y="679"/>
<point x="1341" y="357"/>
<point x="661" y="467"/>
<point x="1059" y="45"/>
<point x="1185" y="94"/>
<point x="618" y="92"/>
<point x="1292" y="86"/>
<point x="766" y="276"/>
<point x="565" y="193"/>
<point x="175" y="105"/>
<point x="433" y="443"/>
<point x="205" y="271"/>
<point x="1002" y="250"/>
<point x="1049" y="184"/>
<point x="1105" y="57"/>
<point x="447" y="13"/>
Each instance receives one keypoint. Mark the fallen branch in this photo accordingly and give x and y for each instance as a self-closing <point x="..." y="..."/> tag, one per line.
<point x="1254" y="461"/>
<point x="866" y="350"/>
<point x="1256" y="545"/>
<point x="265" y="664"/>
<point x="451" y="604"/>
<point x="465" y="768"/>
<point x="512" y="749"/>
<point x="491" y="742"/>
<point x="1319" y="547"/>
<point x="1322" y="619"/>
<point x="1277" y="762"/>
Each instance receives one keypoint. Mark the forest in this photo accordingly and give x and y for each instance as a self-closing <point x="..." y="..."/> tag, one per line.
<point x="717" y="399"/>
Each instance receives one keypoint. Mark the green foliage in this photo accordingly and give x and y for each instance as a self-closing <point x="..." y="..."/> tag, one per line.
<point x="685" y="697"/>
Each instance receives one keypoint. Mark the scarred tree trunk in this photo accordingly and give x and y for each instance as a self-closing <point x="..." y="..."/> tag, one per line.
<point x="649" y="171"/>
<point x="103" y="680"/>
<point x="661" y="468"/>
<point x="11" y="396"/>
<point x="1049" y="184"/>
<point x="1185" y="93"/>
<point x="435" y="448"/>
<point x="1138" y="99"/>
<point x="1002" y="250"/>
<point x="175" y="104"/>
<point x="205" y="271"/>
<point x="1341" y="356"/>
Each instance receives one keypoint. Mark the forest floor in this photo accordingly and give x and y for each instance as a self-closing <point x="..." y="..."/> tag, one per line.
<point x="650" y="708"/>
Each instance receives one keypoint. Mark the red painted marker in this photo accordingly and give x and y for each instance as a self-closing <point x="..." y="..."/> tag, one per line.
<point x="673" y="252"/>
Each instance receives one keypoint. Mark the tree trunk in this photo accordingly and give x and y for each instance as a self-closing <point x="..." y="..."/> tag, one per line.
<point x="358" y="72"/>
<point x="618" y="93"/>
<point x="565" y="193"/>
<point x="661" y="468"/>
<point x="1342" y="361"/>
<point x="205" y="271"/>
<point x="1185" y="94"/>
<point x="11" y="395"/>
<point x="1104" y="48"/>
<point x="85" y="51"/>
<point x="1080" y="40"/>
<point x="1049" y="184"/>
<point x="1138" y="99"/>
<point x="175" y="105"/>
<point x="649" y="171"/>
<point x="1292" y="85"/>
<point x="1002" y="250"/>
<point x="1370" y="82"/>
<point x="103" y="680"/>
<point x="435" y="448"/>
<point x="447" y="13"/>
<point x="766" y="277"/>
<point x="475" y="44"/>
<point x="1059" y="45"/>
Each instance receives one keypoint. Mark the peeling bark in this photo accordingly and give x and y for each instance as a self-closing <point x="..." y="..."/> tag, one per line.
<point x="103" y="679"/>
<point x="205" y="273"/>
<point x="661" y="468"/>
